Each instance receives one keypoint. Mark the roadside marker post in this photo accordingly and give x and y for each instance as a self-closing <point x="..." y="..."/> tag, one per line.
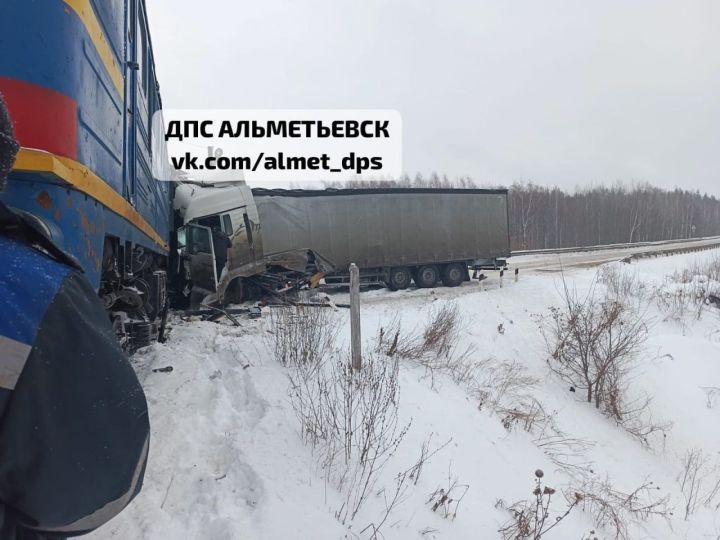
<point x="355" y="341"/>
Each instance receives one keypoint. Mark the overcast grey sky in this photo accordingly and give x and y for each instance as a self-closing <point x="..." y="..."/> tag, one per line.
<point x="558" y="92"/>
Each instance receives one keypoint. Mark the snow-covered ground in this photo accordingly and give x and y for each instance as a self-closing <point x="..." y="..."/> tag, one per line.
<point x="227" y="460"/>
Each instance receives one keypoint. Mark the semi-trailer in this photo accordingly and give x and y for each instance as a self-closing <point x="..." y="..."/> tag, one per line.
<point x="396" y="236"/>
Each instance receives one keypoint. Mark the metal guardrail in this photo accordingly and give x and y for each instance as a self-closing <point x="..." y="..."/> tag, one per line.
<point x="711" y="241"/>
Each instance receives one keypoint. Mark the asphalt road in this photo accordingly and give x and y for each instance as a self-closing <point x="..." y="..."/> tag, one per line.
<point x="554" y="262"/>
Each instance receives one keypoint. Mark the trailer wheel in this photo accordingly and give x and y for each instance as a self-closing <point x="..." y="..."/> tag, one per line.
<point x="453" y="274"/>
<point x="399" y="278"/>
<point x="427" y="276"/>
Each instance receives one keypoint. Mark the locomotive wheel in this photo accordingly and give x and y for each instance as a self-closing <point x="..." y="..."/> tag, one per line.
<point x="427" y="276"/>
<point x="399" y="278"/>
<point x="453" y="274"/>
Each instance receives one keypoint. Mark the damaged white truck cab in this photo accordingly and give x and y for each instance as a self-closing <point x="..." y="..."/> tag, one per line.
<point x="220" y="240"/>
<point x="220" y="243"/>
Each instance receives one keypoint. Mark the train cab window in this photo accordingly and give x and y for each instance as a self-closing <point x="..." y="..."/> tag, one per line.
<point x="227" y="224"/>
<point x="142" y="54"/>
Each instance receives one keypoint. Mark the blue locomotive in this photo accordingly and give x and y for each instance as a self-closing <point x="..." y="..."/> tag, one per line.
<point x="79" y="79"/>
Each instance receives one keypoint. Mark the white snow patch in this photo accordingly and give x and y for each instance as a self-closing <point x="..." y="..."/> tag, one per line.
<point x="227" y="461"/>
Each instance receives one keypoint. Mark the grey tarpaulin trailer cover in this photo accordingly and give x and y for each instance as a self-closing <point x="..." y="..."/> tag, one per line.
<point x="383" y="228"/>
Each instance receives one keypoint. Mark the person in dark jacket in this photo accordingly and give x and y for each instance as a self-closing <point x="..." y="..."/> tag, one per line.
<point x="221" y="244"/>
<point x="74" y="430"/>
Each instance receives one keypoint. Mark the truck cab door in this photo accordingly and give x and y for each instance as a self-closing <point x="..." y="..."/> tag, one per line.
<point x="200" y="253"/>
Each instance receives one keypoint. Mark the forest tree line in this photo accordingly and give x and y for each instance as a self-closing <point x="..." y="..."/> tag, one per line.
<point x="548" y="217"/>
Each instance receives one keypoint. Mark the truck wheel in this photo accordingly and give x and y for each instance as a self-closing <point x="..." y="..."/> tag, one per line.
<point x="252" y="291"/>
<point x="399" y="278"/>
<point x="427" y="276"/>
<point x="234" y="293"/>
<point x="453" y="274"/>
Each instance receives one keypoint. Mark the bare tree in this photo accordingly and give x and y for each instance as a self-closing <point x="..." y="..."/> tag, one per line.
<point x="699" y="482"/>
<point x="613" y="509"/>
<point x="592" y="342"/>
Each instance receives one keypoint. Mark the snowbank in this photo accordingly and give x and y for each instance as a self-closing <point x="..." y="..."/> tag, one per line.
<point x="227" y="461"/>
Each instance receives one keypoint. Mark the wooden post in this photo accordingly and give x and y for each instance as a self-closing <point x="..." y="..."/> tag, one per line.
<point x="355" y="341"/>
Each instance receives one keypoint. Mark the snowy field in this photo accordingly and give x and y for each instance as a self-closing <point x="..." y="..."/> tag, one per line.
<point x="227" y="459"/>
